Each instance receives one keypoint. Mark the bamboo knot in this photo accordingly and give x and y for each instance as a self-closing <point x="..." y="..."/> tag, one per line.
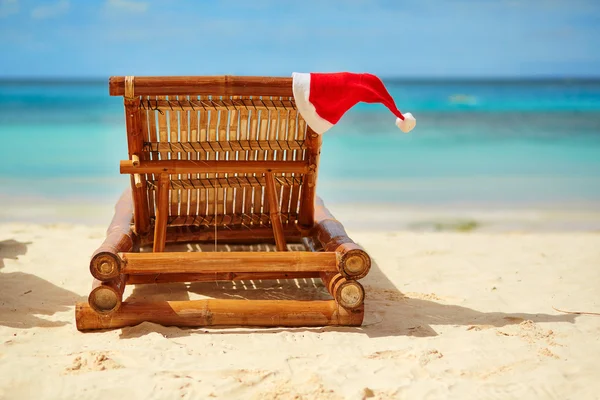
<point x="129" y="88"/>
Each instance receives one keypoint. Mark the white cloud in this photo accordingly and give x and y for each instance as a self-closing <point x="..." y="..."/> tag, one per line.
<point x="51" y="11"/>
<point x="8" y="7"/>
<point x="128" y="5"/>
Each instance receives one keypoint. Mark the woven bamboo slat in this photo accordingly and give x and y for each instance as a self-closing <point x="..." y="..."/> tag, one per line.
<point x="202" y="155"/>
<point x="222" y="127"/>
<point x="251" y="155"/>
<point x="211" y="196"/>
<point x="193" y="155"/>
<point x="184" y="137"/>
<point x="173" y="129"/>
<point x="262" y="131"/>
<point x="286" y="133"/>
<point x="241" y="155"/>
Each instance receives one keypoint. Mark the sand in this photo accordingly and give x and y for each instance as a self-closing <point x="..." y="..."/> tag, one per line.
<point x="449" y="315"/>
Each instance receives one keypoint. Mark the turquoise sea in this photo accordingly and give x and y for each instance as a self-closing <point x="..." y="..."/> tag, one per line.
<point x="484" y="144"/>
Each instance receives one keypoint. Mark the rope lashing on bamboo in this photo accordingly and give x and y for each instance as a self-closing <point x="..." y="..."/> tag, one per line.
<point x="210" y="104"/>
<point x="231" y="182"/>
<point x="231" y="145"/>
<point x="243" y="219"/>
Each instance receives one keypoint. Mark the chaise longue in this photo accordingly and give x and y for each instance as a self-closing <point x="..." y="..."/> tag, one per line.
<point x="227" y="159"/>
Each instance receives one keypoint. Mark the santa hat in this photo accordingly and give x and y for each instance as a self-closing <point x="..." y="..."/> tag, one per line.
<point x="322" y="98"/>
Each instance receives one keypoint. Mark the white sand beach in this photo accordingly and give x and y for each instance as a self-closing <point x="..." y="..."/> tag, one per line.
<point x="448" y="315"/>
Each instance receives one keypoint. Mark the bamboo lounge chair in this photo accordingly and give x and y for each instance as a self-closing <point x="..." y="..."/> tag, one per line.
<point x="228" y="159"/>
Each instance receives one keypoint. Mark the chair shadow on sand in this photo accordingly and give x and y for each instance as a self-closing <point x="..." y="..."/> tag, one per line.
<point x="23" y="295"/>
<point x="388" y="312"/>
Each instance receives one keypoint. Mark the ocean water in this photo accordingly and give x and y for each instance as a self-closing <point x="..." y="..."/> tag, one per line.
<point x="476" y="144"/>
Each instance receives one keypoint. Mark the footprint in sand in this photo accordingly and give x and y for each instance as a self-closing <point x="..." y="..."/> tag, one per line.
<point x="429" y="356"/>
<point x="530" y="332"/>
<point x="390" y="355"/>
<point x="547" y="353"/>
<point x="92" y="361"/>
<point x="250" y="377"/>
<point x="479" y="327"/>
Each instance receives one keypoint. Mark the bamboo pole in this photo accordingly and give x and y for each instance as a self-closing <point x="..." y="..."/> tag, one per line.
<point x="162" y="213"/>
<point x="309" y="187"/>
<point x="311" y="244"/>
<point x="152" y="136"/>
<point x="354" y="262"/>
<point x="348" y="293"/>
<point x="274" y="213"/>
<point x="204" y="85"/>
<point x="218" y="277"/>
<point x="218" y="312"/>
<point x="105" y="262"/>
<point x="106" y="297"/>
<point x="212" y="166"/>
<point x="135" y="142"/>
<point x="137" y="180"/>
<point x="223" y="262"/>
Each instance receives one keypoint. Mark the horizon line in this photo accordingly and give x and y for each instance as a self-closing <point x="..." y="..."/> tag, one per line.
<point x="391" y="79"/>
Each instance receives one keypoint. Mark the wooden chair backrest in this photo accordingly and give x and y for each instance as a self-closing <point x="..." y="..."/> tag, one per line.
<point x="222" y="119"/>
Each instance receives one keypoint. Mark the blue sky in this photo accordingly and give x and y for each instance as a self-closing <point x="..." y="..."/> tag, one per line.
<point x="416" y="38"/>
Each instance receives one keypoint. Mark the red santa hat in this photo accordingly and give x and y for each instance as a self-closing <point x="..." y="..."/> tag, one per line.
<point x="322" y="98"/>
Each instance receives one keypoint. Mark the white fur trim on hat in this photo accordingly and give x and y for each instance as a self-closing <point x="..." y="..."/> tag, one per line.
<point x="407" y="124"/>
<point x="301" y="90"/>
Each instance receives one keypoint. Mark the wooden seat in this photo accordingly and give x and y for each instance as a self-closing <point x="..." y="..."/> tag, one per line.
<point x="228" y="160"/>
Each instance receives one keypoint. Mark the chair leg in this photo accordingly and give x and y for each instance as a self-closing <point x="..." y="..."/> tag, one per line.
<point x="275" y="214"/>
<point x="162" y="213"/>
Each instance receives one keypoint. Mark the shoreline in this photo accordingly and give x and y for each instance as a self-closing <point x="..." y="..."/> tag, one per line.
<point x="375" y="217"/>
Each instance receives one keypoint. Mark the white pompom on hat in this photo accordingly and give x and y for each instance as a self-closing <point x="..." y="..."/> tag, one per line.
<point x="323" y="98"/>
